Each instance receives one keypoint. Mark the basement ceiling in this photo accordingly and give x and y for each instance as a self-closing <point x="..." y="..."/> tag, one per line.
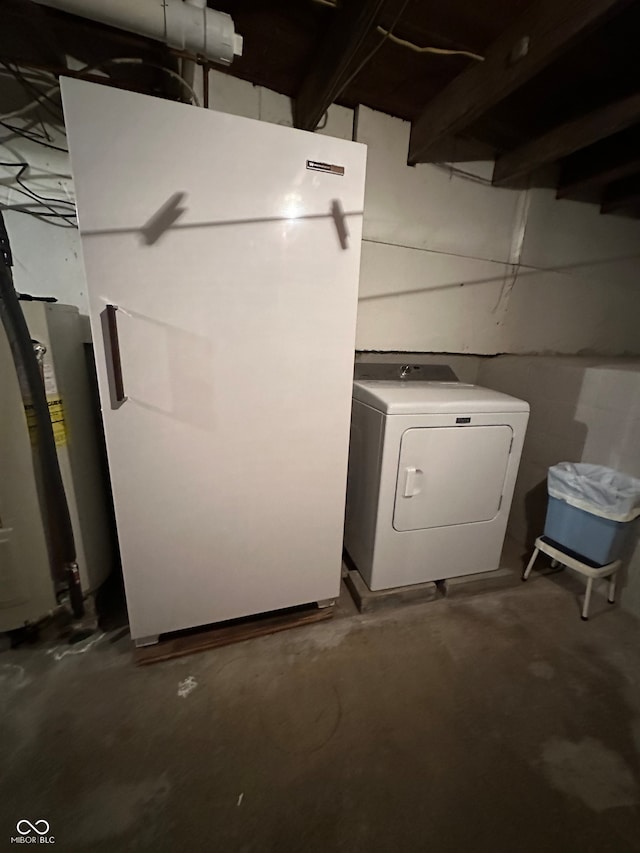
<point x="396" y="80"/>
<point x="550" y="90"/>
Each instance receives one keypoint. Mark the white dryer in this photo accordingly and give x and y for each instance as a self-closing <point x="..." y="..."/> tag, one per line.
<point x="432" y="469"/>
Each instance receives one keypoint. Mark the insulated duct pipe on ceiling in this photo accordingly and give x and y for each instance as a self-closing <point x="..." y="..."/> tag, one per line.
<point x="177" y="24"/>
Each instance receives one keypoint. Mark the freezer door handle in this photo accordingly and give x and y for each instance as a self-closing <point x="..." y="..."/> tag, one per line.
<point x="412" y="480"/>
<point x="114" y="353"/>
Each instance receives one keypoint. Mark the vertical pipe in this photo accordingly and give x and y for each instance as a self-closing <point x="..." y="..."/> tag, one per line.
<point x="205" y="85"/>
<point x="188" y="67"/>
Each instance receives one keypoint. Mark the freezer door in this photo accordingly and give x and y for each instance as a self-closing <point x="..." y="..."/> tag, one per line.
<point x="231" y="260"/>
<point x="450" y="475"/>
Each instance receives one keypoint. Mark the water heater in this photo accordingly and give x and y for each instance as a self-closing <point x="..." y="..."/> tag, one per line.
<point x="26" y="586"/>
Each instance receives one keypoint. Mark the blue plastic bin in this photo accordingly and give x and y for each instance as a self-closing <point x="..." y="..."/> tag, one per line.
<point x="598" y="539"/>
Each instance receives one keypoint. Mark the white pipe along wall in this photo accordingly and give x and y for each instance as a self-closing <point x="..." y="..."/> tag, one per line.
<point x="186" y="26"/>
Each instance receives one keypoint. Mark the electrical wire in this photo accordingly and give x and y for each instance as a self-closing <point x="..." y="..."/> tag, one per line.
<point x="36" y="134"/>
<point x="42" y="78"/>
<point x="24" y="207"/>
<point x="38" y="75"/>
<point x="45" y="201"/>
<point x="43" y="138"/>
<point x="54" y="208"/>
<point x="38" y="100"/>
<point x="42" y="135"/>
<point x="43" y="198"/>
<point x="28" y="106"/>
<point x="42" y="96"/>
<point x="29" y="86"/>
<point x="49" y="218"/>
<point x="25" y="134"/>
<point x="68" y="209"/>
<point x="462" y="173"/>
<point x="440" y="51"/>
<point x="125" y="60"/>
<point x="49" y="208"/>
<point x="372" y="53"/>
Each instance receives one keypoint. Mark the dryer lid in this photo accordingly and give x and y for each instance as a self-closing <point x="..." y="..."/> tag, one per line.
<point x="427" y="398"/>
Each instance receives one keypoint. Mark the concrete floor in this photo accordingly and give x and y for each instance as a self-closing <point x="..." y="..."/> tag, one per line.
<point x="494" y="723"/>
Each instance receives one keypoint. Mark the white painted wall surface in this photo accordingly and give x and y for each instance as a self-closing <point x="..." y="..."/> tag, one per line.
<point x="437" y="275"/>
<point x="448" y="264"/>
<point x="453" y="264"/>
<point x="238" y="97"/>
<point x="582" y="410"/>
<point x="46" y="256"/>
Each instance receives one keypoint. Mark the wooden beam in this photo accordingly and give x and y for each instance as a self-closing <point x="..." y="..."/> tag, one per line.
<point x="620" y="195"/>
<point x="567" y="138"/>
<point x="603" y="163"/>
<point x="335" y="61"/>
<point x="544" y="31"/>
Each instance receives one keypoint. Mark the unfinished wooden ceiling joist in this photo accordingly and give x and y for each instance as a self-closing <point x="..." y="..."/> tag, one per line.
<point x="566" y="139"/>
<point x="621" y="195"/>
<point x="527" y="83"/>
<point x="614" y="158"/>
<point x="330" y="72"/>
<point x="545" y="29"/>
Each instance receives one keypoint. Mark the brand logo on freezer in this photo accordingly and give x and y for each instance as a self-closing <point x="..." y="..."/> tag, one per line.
<point x="33" y="833"/>
<point x="331" y="168"/>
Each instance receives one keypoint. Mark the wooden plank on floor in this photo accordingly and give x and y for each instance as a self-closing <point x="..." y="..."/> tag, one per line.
<point x="368" y="601"/>
<point x="199" y="640"/>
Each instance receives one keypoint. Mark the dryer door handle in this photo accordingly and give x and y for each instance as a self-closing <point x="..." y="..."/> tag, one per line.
<point x="412" y="482"/>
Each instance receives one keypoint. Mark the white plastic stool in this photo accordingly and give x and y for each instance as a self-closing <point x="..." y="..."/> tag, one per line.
<point x="591" y="572"/>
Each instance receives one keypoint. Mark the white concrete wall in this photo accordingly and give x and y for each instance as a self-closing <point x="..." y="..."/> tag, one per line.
<point x="238" y="97"/>
<point x="46" y="254"/>
<point x="453" y="264"/>
<point x="449" y="264"/>
<point x="582" y="410"/>
<point x="465" y="367"/>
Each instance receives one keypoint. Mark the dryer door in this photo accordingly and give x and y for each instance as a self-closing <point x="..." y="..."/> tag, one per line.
<point x="450" y="475"/>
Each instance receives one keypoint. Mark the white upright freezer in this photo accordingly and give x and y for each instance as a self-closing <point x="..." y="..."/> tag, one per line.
<point x="222" y="258"/>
